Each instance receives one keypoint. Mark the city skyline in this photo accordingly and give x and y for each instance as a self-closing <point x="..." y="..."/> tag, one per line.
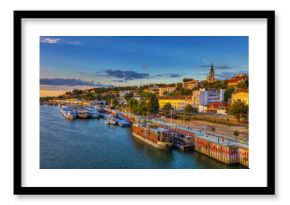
<point x="68" y="62"/>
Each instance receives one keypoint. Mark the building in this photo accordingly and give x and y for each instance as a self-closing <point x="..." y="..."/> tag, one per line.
<point x="217" y="107"/>
<point x="190" y="84"/>
<point x="242" y="95"/>
<point x="203" y="97"/>
<point x="237" y="79"/>
<point x="154" y="90"/>
<point x="123" y="93"/>
<point x="210" y="78"/>
<point x="166" y="90"/>
<point x="178" y="103"/>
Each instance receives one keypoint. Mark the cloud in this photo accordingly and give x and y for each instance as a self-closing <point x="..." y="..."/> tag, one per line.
<point x="119" y="81"/>
<point x="124" y="74"/>
<point x="174" y="75"/>
<point x="50" y="40"/>
<point x="170" y="75"/>
<point x="67" y="82"/>
<point x="226" y="75"/>
<point x="127" y="75"/>
<point x="216" y="66"/>
<point x="72" y="42"/>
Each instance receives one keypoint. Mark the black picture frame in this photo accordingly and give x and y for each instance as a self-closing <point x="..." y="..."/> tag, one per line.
<point x="268" y="190"/>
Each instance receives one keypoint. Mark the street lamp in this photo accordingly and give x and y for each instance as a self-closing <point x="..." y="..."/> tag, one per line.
<point x="171" y="116"/>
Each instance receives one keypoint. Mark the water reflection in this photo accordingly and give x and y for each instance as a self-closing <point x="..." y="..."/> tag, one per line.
<point x="91" y="144"/>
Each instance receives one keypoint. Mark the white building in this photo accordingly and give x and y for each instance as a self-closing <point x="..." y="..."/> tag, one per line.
<point x="122" y="93"/>
<point x="201" y="98"/>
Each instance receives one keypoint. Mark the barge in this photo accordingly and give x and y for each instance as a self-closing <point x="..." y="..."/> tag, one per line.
<point x="157" y="137"/>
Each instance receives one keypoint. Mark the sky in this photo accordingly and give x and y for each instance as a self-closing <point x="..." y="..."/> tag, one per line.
<point x="95" y="61"/>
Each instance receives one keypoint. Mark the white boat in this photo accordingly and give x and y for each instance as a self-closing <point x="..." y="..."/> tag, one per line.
<point x="111" y="120"/>
<point x="83" y="113"/>
<point x="68" y="112"/>
<point x="93" y="112"/>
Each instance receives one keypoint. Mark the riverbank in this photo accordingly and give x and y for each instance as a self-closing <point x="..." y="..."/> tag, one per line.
<point x="90" y="144"/>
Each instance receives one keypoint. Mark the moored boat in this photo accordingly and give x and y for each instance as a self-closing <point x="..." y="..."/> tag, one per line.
<point x="183" y="142"/>
<point x="111" y="120"/>
<point x="68" y="113"/>
<point x="123" y="123"/>
<point x="157" y="137"/>
<point x="93" y="112"/>
<point x="83" y="113"/>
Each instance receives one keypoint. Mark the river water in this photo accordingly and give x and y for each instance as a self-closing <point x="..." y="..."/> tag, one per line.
<point x="90" y="144"/>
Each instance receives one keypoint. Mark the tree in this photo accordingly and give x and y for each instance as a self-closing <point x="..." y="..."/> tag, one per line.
<point x="142" y="108"/>
<point x="89" y="96"/>
<point x="128" y="96"/>
<point x="243" y="85"/>
<point x="167" y="107"/>
<point x="77" y="92"/>
<point x="228" y="93"/>
<point x="186" y="79"/>
<point x="152" y="104"/>
<point x="132" y="105"/>
<point x="115" y="103"/>
<point x="239" y="110"/>
<point x="189" y="109"/>
<point x="236" y="133"/>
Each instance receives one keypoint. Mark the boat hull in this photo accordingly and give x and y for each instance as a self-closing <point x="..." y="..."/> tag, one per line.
<point x="158" y="145"/>
<point x="95" y="115"/>
<point x="83" y="116"/>
<point x="184" y="146"/>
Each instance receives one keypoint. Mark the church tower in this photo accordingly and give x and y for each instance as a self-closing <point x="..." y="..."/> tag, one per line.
<point x="210" y="77"/>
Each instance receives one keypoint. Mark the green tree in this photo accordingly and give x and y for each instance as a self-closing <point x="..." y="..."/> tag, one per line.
<point x="189" y="109"/>
<point x="228" y="93"/>
<point x="186" y="79"/>
<point x="115" y="103"/>
<point x="152" y="104"/>
<point x="167" y="107"/>
<point x="239" y="110"/>
<point x="132" y="105"/>
<point x="142" y="108"/>
<point x="128" y="96"/>
<point x="243" y="85"/>
<point x="236" y="133"/>
<point x="89" y="96"/>
<point x="77" y="92"/>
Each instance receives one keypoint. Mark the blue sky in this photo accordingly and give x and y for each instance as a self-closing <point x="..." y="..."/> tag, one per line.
<point x="136" y="60"/>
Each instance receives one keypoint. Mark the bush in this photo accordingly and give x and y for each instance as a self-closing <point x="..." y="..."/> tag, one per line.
<point x="239" y="110"/>
<point x="236" y="133"/>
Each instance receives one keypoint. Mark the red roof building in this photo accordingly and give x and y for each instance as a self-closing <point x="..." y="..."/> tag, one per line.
<point x="237" y="79"/>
